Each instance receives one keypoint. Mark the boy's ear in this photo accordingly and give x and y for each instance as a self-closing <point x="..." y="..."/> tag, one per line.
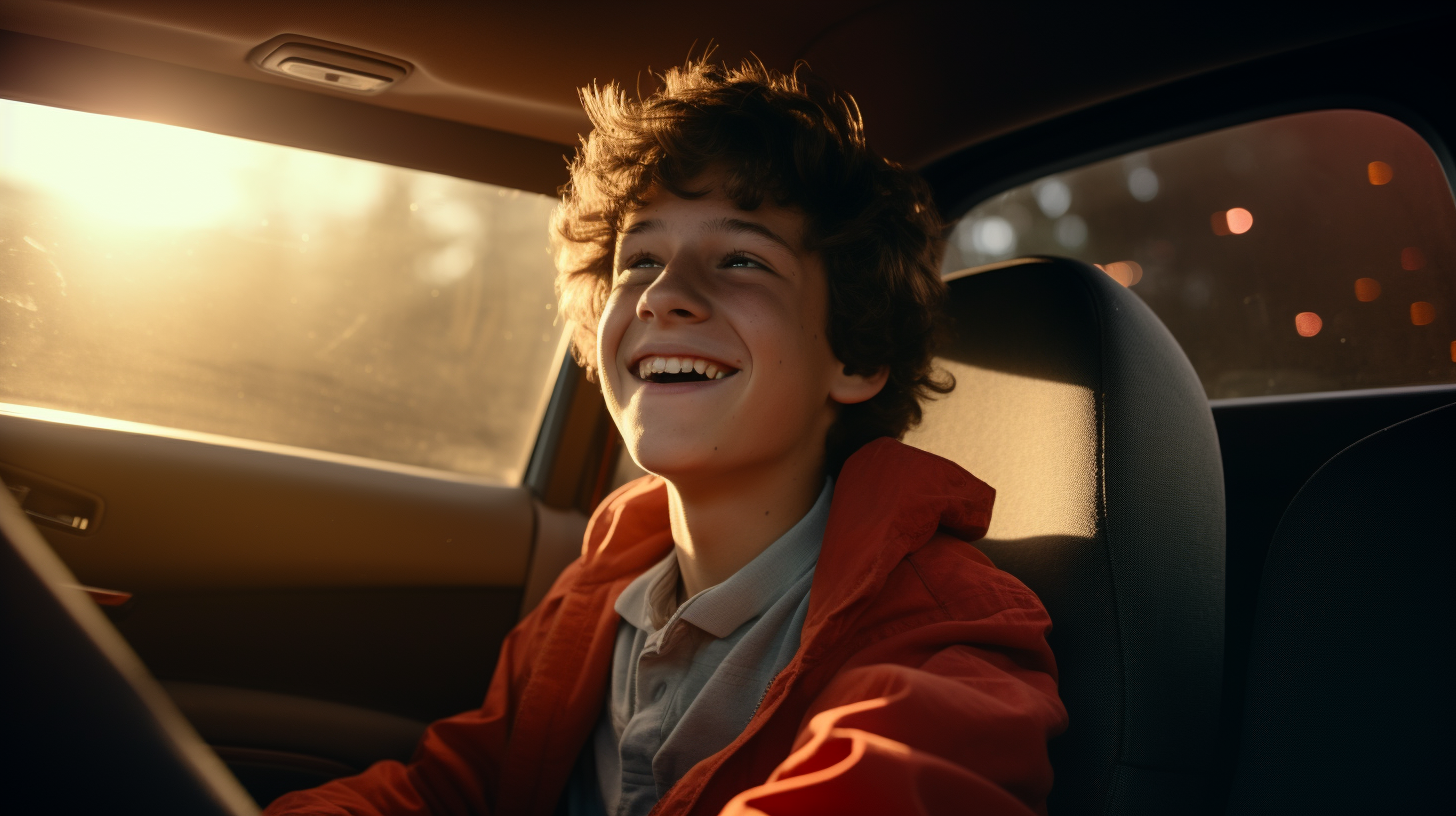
<point x="847" y="389"/>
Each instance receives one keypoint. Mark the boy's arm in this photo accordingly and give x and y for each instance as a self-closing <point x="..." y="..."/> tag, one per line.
<point x="456" y="766"/>
<point x="965" y="732"/>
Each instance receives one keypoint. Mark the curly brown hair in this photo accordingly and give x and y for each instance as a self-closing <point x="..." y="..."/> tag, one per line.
<point x="788" y="139"/>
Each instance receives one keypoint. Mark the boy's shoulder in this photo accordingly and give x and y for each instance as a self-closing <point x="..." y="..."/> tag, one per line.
<point x="966" y="582"/>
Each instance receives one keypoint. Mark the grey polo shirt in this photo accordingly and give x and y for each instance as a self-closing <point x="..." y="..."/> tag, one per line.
<point x="687" y="679"/>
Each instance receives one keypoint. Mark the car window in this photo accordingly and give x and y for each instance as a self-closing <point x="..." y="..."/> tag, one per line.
<point x="1303" y="253"/>
<point x="178" y="278"/>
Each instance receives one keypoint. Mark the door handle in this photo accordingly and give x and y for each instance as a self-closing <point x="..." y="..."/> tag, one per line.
<point x="51" y="504"/>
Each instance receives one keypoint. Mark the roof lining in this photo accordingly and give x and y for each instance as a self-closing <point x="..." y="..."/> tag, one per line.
<point x="60" y="74"/>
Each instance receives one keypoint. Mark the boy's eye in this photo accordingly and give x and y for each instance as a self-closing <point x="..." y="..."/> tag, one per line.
<point x="742" y="262"/>
<point x="624" y="274"/>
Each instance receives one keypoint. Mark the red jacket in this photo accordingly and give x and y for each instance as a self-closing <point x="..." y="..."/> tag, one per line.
<point x="923" y="683"/>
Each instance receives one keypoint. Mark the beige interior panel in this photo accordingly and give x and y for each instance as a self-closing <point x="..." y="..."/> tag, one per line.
<point x="183" y="514"/>
<point x="1045" y="483"/>
<point x="558" y="542"/>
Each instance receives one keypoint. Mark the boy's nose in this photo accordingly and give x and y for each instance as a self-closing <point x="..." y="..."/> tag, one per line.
<point x="674" y="296"/>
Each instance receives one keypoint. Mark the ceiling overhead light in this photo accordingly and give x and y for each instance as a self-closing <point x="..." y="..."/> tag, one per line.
<point x="329" y="64"/>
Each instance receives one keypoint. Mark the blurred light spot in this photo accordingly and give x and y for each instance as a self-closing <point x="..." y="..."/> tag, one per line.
<point x="1054" y="198"/>
<point x="1380" y="173"/>
<point x="1412" y="259"/>
<point x="1219" y="222"/>
<point x="1308" y="324"/>
<point x="1240" y="220"/>
<point x="993" y="236"/>
<point x="451" y="218"/>
<point x="1127" y="273"/>
<point x="1367" y="289"/>
<point x="1142" y="182"/>
<point x="449" y="264"/>
<point x="1071" y="231"/>
<point x="1453" y="351"/>
<point x="1422" y="313"/>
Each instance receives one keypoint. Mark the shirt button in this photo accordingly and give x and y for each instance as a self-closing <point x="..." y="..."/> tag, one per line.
<point x="659" y="691"/>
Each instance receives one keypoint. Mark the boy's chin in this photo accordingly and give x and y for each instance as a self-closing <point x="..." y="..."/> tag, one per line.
<point x="680" y="462"/>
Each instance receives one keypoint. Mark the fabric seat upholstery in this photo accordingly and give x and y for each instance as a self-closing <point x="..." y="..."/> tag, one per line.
<point x="1080" y="408"/>
<point x="1349" y="706"/>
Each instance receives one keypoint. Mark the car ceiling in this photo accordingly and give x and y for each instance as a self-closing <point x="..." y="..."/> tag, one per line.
<point x="931" y="77"/>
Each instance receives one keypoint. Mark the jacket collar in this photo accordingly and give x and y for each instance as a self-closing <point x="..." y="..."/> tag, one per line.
<point x="889" y="500"/>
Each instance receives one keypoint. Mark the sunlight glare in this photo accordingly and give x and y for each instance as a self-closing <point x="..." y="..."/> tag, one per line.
<point x="143" y="174"/>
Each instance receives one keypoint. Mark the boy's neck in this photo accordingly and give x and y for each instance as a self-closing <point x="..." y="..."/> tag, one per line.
<point x="721" y="525"/>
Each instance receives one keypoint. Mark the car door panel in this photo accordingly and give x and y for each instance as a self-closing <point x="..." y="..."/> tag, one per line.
<point x="184" y="514"/>
<point x="308" y="613"/>
<point x="276" y="743"/>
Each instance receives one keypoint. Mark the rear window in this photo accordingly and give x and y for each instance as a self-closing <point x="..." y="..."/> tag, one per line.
<point x="172" y="277"/>
<point x="1303" y="253"/>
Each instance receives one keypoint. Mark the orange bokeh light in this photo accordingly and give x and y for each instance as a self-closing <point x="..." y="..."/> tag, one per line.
<point x="1240" y="220"/>
<point x="1380" y="172"/>
<point x="1127" y="273"/>
<point x="1367" y="289"/>
<point x="1412" y="259"/>
<point x="1422" y="313"/>
<point x="1308" y="324"/>
<point x="1453" y="351"/>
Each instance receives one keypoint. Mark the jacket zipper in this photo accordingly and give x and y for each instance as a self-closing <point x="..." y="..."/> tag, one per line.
<point x="764" y="695"/>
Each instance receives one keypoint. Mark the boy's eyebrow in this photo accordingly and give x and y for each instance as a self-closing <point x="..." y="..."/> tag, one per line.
<point x="724" y="224"/>
<point x="739" y="225"/>
<point x="643" y="226"/>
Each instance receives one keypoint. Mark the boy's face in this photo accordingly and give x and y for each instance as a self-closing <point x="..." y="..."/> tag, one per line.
<point x="729" y="300"/>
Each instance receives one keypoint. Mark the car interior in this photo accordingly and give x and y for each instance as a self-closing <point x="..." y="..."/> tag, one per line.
<point x="286" y="464"/>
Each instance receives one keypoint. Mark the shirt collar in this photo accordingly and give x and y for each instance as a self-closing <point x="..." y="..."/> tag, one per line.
<point x="648" y="603"/>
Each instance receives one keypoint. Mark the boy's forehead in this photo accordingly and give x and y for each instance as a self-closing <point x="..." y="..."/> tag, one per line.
<point x="714" y="213"/>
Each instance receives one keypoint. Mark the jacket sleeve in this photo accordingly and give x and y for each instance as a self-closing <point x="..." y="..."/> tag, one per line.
<point x="455" y="768"/>
<point x="964" y="732"/>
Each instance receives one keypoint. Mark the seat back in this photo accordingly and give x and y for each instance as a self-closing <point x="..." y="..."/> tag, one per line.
<point x="1079" y="407"/>
<point x="87" y="729"/>
<point x="1349" y="703"/>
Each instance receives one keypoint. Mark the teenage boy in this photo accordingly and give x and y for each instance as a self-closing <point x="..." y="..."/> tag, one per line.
<point x="786" y="617"/>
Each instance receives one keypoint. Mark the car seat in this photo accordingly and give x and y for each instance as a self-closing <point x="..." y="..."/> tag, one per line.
<point x="1349" y="703"/>
<point x="1078" y="406"/>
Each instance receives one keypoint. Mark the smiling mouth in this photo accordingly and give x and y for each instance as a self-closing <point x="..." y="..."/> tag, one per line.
<point x="656" y="369"/>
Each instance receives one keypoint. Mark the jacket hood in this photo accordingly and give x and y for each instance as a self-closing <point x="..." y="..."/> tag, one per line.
<point x="889" y="493"/>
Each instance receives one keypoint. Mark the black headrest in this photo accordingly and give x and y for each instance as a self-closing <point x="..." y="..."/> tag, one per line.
<point x="1079" y="407"/>
<point x="1349" y="706"/>
<point x="87" y="729"/>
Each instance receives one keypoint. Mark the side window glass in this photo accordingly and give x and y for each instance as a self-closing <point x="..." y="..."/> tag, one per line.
<point x="1303" y="253"/>
<point x="183" y="279"/>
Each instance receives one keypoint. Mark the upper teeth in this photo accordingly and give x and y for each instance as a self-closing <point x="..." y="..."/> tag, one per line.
<point x="679" y="365"/>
